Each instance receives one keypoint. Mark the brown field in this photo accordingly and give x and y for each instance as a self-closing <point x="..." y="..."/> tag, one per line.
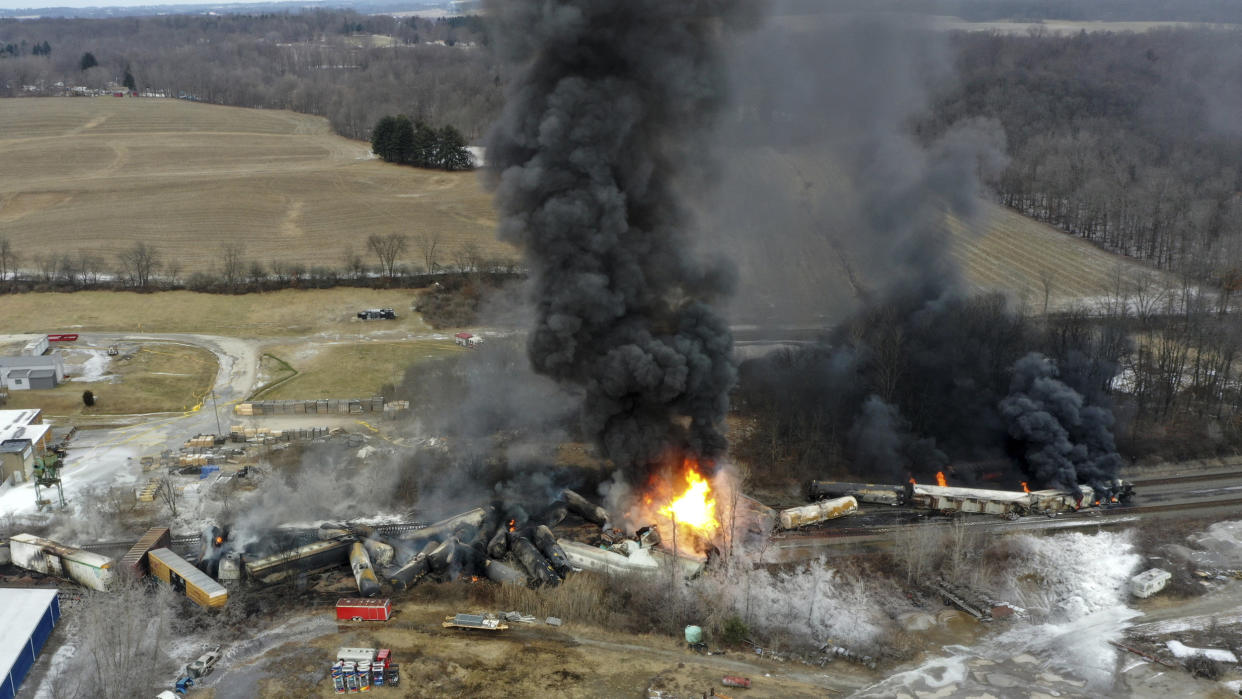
<point x="154" y="377"/>
<point x="350" y="370"/>
<point x="288" y="312"/>
<point x="1008" y="252"/>
<point x="99" y="174"/>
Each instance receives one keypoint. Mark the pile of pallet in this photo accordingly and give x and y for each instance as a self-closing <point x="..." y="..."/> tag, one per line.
<point x="147" y="494"/>
<point x="265" y="435"/>
<point x="197" y="459"/>
<point x="200" y="441"/>
<point x="323" y="406"/>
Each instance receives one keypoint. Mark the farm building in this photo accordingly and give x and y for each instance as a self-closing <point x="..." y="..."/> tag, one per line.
<point x="467" y="340"/>
<point x="25" y="373"/>
<point x="23" y="437"/>
<point x="27" y="617"/>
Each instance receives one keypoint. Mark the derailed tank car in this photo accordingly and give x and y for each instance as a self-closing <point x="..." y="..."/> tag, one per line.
<point x="815" y="513"/>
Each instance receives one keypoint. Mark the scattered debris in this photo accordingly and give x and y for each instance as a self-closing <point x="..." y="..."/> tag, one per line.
<point x="484" y="622"/>
<point x="553" y="621"/>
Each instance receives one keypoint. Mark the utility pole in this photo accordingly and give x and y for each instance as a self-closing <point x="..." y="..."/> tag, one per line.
<point x="216" y="410"/>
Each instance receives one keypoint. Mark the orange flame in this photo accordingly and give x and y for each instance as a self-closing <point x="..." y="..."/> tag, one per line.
<point x="1097" y="503"/>
<point x="512" y="524"/>
<point x="912" y="481"/>
<point x="219" y="540"/>
<point x="1024" y="488"/>
<point x="940" y="479"/>
<point x="696" y="507"/>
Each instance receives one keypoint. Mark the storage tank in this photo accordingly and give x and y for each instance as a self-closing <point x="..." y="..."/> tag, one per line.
<point x="817" y="512"/>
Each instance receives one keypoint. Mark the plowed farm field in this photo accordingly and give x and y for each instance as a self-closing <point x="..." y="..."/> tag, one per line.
<point x="1005" y="251"/>
<point x="99" y="174"/>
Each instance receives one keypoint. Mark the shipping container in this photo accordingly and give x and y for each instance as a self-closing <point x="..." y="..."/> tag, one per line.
<point x="136" y="559"/>
<point x="184" y="577"/>
<point x="50" y="558"/>
<point x="357" y="609"/>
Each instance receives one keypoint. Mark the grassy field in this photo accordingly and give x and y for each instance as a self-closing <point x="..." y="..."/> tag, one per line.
<point x="288" y="312"/>
<point x="351" y="370"/>
<point x="155" y="377"/>
<point x="98" y="174"/>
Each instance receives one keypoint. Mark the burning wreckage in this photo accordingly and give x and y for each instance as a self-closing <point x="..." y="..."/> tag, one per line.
<point x="502" y="542"/>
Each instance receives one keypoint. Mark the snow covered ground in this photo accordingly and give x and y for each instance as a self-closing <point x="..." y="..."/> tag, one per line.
<point x="1181" y="650"/>
<point x="1076" y="584"/>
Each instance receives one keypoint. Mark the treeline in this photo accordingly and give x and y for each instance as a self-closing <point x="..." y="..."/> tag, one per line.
<point x="147" y="268"/>
<point x="399" y="140"/>
<point x="351" y="68"/>
<point x="1129" y="140"/>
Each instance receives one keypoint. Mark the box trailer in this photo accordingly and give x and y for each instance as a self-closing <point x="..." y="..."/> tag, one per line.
<point x="185" y="578"/>
<point x="360" y="609"/>
<point x="50" y="558"/>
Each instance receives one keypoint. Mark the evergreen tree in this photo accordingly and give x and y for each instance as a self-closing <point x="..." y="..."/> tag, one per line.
<point x="47" y="49"/>
<point x="88" y="61"/>
<point x="381" y="138"/>
<point x="424" y="145"/>
<point x="451" y="150"/>
<point x="129" y="81"/>
<point x="403" y="140"/>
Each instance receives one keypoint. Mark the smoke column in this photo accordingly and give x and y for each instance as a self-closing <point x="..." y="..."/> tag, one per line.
<point x="607" y="108"/>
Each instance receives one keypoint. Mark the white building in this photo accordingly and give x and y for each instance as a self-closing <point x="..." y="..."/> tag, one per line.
<point x="26" y="372"/>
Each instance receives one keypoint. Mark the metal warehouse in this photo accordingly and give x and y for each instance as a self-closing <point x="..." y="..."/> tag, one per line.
<point x="27" y="617"/>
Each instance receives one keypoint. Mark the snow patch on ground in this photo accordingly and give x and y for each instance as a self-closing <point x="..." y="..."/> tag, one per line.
<point x="1069" y="575"/>
<point x="95" y="368"/>
<point x="1180" y="650"/>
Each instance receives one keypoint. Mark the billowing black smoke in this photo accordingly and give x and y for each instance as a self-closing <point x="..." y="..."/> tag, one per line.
<point x="1064" y="442"/>
<point x="921" y="374"/>
<point x="601" y="139"/>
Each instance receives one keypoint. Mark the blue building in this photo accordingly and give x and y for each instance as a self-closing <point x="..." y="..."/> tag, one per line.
<point x="27" y="618"/>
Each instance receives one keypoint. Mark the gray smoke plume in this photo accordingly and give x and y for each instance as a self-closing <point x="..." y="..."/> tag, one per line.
<point x="1064" y="441"/>
<point x="602" y="137"/>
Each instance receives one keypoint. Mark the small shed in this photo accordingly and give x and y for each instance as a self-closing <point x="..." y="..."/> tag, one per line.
<point x="464" y="339"/>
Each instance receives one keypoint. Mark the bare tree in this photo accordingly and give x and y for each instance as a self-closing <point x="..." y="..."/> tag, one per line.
<point x="139" y="263"/>
<point x="427" y="246"/>
<point x="167" y="494"/>
<point x="120" y="653"/>
<point x="1046" y="277"/>
<point x="387" y="248"/>
<point x="8" y="259"/>
<point x="468" y="256"/>
<point x="233" y="265"/>
<point x="354" y="267"/>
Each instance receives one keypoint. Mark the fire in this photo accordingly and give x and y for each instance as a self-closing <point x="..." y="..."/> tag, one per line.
<point x="940" y="479"/>
<point x="912" y="481"/>
<point x="696" y="507"/>
<point x="512" y="524"/>
<point x="1024" y="488"/>
<point x="219" y="540"/>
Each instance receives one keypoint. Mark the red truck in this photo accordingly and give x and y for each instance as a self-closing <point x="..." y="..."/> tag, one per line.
<point x="362" y="609"/>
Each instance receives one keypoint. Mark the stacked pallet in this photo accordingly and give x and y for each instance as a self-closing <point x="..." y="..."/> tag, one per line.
<point x="200" y="441"/>
<point x="147" y="494"/>
<point x="197" y="459"/>
<point x="239" y="433"/>
<point x="323" y="406"/>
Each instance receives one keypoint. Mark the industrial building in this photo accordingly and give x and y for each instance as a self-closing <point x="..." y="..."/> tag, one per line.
<point x="27" y="617"/>
<point x="23" y="438"/>
<point x="25" y="373"/>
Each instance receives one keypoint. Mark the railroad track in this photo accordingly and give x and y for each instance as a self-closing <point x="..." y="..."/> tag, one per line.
<point x="193" y="541"/>
<point x="1168" y="480"/>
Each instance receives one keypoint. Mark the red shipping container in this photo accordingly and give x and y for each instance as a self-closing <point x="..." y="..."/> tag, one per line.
<point x="63" y="337"/>
<point x="735" y="681"/>
<point x="362" y="609"/>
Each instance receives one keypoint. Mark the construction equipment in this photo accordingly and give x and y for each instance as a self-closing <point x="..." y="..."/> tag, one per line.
<point x="113" y="350"/>
<point x="46" y="475"/>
